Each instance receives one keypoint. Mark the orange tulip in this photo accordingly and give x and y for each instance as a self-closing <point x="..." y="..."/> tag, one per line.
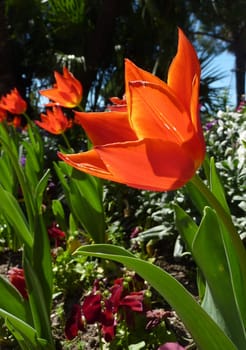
<point x="157" y="144"/>
<point x="67" y="91"/>
<point x="55" y="121"/>
<point x="13" y="102"/>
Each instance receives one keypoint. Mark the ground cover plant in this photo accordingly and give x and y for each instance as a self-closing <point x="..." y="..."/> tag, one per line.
<point x="88" y="271"/>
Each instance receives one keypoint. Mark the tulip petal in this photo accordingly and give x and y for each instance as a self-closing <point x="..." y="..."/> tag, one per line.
<point x="133" y="72"/>
<point x="55" y="95"/>
<point x="194" y="107"/>
<point x="155" y="112"/>
<point x="106" y="127"/>
<point x="88" y="162"/>
<point x="149" y="164"/>
<point x="184" y="67"/>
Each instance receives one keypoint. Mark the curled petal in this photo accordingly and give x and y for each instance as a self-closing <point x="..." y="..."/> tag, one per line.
<point x="133" y="72"/>
<point x="106" y="127"/>
<point x="89" y="162"/>
<point x="150" y="164"/>
<point x="118" y="105"/>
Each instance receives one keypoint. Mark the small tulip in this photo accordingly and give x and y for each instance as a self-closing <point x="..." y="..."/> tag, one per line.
<point x="67" y="92"/>
<point x="13" y="102"/>
<point x="55" y="121"/>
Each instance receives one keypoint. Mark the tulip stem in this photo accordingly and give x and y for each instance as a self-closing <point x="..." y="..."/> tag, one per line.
<point x="27" y="118"/>
<point x="66" y="141"/>
<point x="80" y="108"/>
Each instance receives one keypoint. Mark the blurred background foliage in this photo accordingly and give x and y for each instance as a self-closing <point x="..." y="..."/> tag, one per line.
<point x="92" y="38"/>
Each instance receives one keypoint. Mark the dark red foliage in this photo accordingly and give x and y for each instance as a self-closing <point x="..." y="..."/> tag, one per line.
<point x="98" y="308"/>
<point x="92" y="308"/>
<point x="74" y="323"/>
<point x="57" y="234"/>
<point x="17" y="278"/>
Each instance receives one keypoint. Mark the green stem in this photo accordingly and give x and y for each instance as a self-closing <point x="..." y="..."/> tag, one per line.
<point x="100" y="336"/>
<point x="29" y="121"/>
<point x="81" y="109"/>
<point x="66" y="141"/>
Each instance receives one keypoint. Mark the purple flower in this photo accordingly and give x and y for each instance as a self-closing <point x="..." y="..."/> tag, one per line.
<point x="171" y="346"/>
<point x="23" y="161"/>
<point x="209" y="125"/>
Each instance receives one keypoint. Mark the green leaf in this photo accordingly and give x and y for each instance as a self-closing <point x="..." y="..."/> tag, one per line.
<point x="38" y="302"/>
<point x="34" y="154"/>
<point x="187" y="228"/>
<point x="7" y="175"/>
<point x="32" y="167"/>
<point x="59" y="214"/>
<point x="63" y="172"/>
<point x="156" y="232"/>
<point x="209" y="253"/>
<point x="86" y="200"/>
<point x="40" y="188"/>
<point x="11" y="149"/>
<point x="12" y="302"/>
<point x="24" y="333"/>
<point x="204" y="330"/>
<point x="196" y="197"/>
<point x="84" y="196"/>
<point x="41" y="260"/>
<point x="12" y="212"/>
<point x="216" y="186"/>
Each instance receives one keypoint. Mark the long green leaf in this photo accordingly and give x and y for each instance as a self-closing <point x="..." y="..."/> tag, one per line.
<point x="38" y="303"/>
<point x="7" y="176"/>
<point x="41" y="258"/>
<point x="84" y="196"/>
<point x="12" y="302"/>
<point x="186" y="226"/>
<point x="39" y="189"/>
<point x="59" y="214"/>
<point x="11" y="150"/>
<point x="210" y="256"/>
<point x="234" y="248"/>
<point x="216" y="186"/>
<point x="204" y="330"/>
<point x="24" y="333"/>
<point x="12" y="212"/>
